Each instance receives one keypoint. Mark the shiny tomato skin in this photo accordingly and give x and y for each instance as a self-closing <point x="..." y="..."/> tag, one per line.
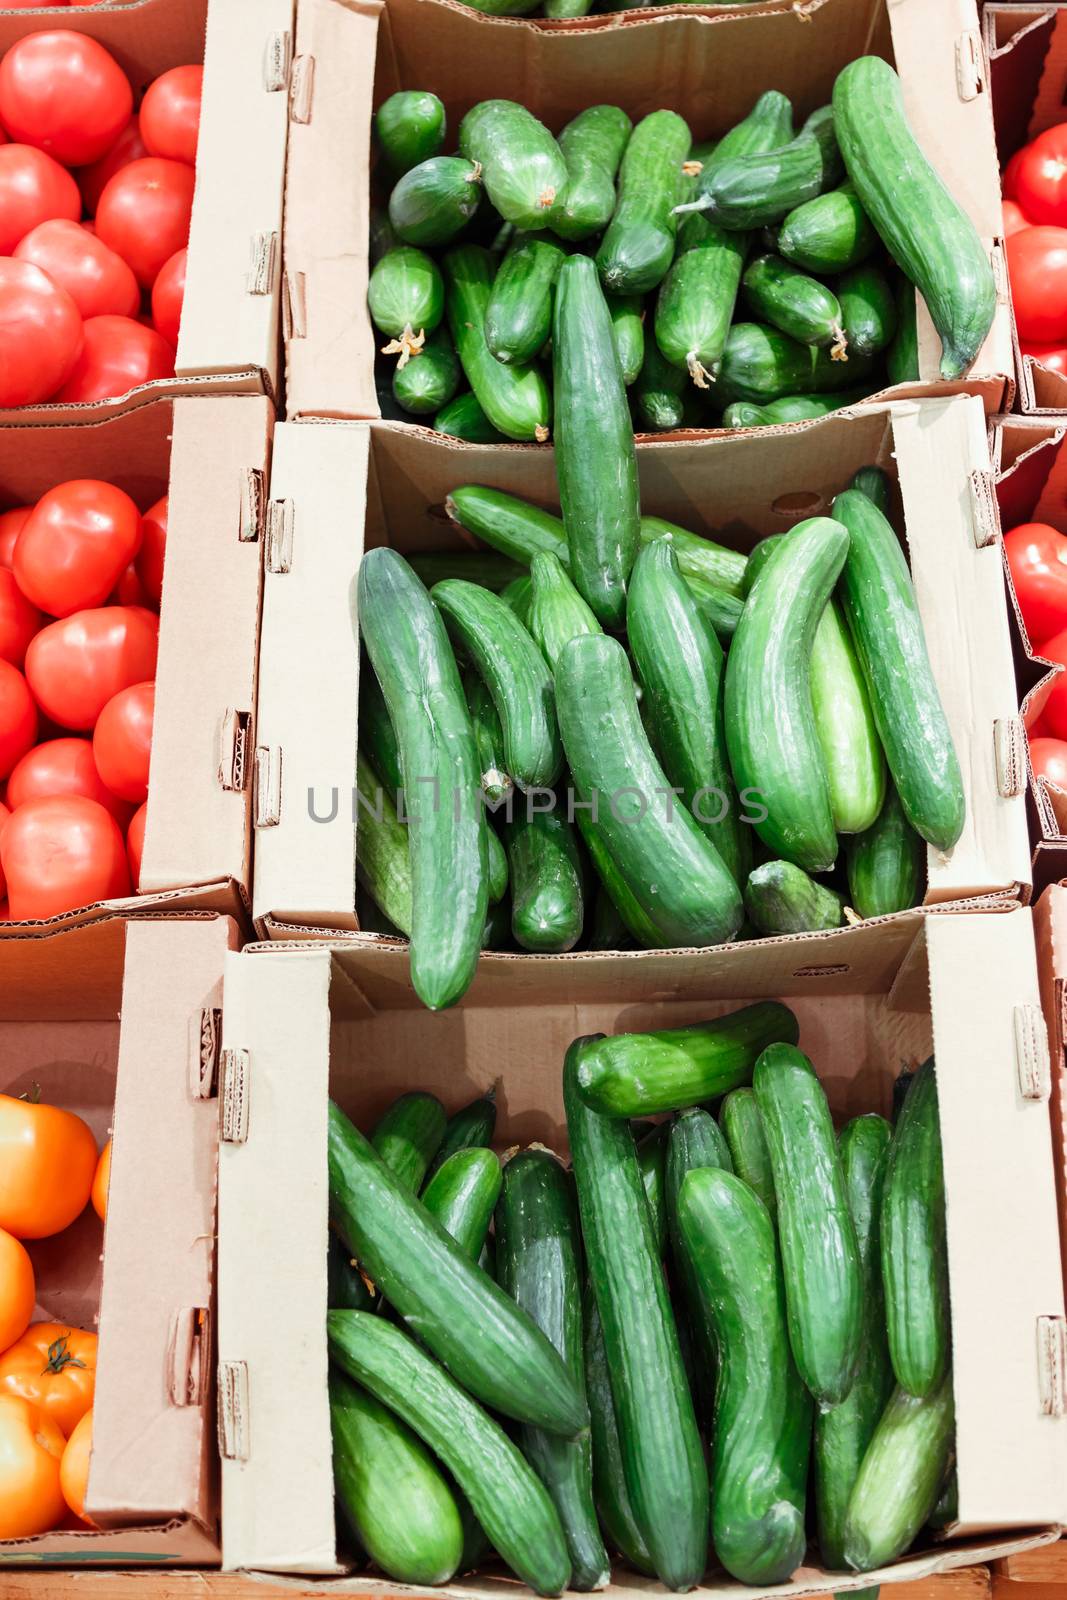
<point x="1048" y="757"/>
<point x="94" y="179"/>
<point x="40" y="334"/>
<point x="122" y="742"/>
<point x="97" y="280"/>
<point x="153" y="550"/>
<point x="18" y="717"/>
<point x="170" y="113"/>
<point x="47" y="1162"/>
<point x="144" y="213"/>
<point x="53" y="1366"/>
<point x="1015" y="218"/>
<point x="31" y="1450"/>
<point x="1041" y="177"/>
<point x="129" y="591"/>
<point x="135" y="843"/>
<point x="4" y="814"/>
<point x="74" y="666"/>
<point x="33" y="189"/>
<point x="17" y="1289"/>
<point x="1008" y="177"/>
<point x="59" y="854"/>
<point x="74" y="1467"/>
<point x="76" y="544"/>
<point x="62" y="767"/>
<point x="11" y="523"/>
<point x="64" y="93"/>
<point x="168" y="292"/>
<point x="19" y="619"/>
<point x="1037" y="560"/>
<point x="1037" y="269"/>
<point x="1052" y="356"/>
<point x="117" y="355"/>
<point x="101" y="1183"/>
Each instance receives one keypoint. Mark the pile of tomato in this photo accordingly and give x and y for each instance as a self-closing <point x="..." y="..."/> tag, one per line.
<point x="1035" y="226"/>
<point x="1037" y="557"/>
<point x="81" y="574"/>
<point x="95" y="201"/>
<point x="50" y="1170"/>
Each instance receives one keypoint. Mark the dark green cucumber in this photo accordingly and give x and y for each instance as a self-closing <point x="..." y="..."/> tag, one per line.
<point x="820" y="1255"/>
<point x="517" y="595"/>
<point x="629" y="906"/>
<point x="377" y="736"/>
<point x="518" y="319"/>
<point x="700" y="558"/>
<point x="522" y="165"/>
<point x="875" y="484"/>
<point x="464" y="418"/>
<point x="883" y="615"/>
<point x="515" y="673"/>
<point x="486" y="567"/>
<point x="761" y="364"/>
<point x="546" y="880"/>
<point x="782" y="898"/>
<point x="762" y="1434"/>
<point x="902" y="357"/>
<point x="657" y="393"/>
<point x="901" y="1476"/>
<point x="556" y="613"/>
<point x="596" y="463"/>
<point x="472" y="1127"/>
<point x="828" y="234"/>
<point x="870" y="316"/>
<point x="605" y="928"/>
<point x="408" y="1135"/>
<point x="628" y="325"/>
<point x="505" y="1494"/>
<point x="652" y="1162"/>
<point x="947" y="1509"/>
<point x="637" y="247"/>
<point x="382" y="237"/>
<point x="540" y="1258"/>
<point x="514" y="397"/>
<point x="383" y="860"/>
<point x="885" y="863"/>
<point x="929" y="236"/>
<point x="408" y="646"/>
<point x="750" y="191"/>
<point x="843" y="1432"/>
<point x="743" y="1129"/>
<point x="804" y="308"/>
<point x="694" y="1141"/>
<point x="370" y="916"/>
<point x="770" y="725"/>
<point x="658" y="849"/>
<point x="411" y="128"/>
<point x="433" y="201"/>
<point x="663" y="1461"/>
<point x="489" y="739"/>
<point x="429" y="380"/>
<point x="462" y="1195"/>
<point x="592" y="144"/>
<point x="496" y="935"/>
<point x="914" y="1249"/>
<point x="406" y="297"/>
<point x="391" y="1491"/>
<point x="509" y="524"/>
<point x="640" y="1074"/>
<point x="345" y="1288"/>
<point x="609" y="1480"/>
<point x="463" y="1318"/>
<point x="789" y="408"/>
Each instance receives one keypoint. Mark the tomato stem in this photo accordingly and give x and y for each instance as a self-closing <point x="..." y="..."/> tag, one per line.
<point x="60" y="1356"/>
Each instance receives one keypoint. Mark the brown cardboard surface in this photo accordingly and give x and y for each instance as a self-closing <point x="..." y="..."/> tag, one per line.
<point x="324" y="1008"/>
<point x="707" y="64"/>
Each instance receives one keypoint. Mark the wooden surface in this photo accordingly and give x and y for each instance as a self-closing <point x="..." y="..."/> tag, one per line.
<point x="1034" y="1575"/>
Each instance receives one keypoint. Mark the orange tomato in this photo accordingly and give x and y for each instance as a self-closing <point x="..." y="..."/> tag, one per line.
<point x="53" y="1366"/>
<point x="47" y="1162"/>
<point x="31" y="1448"/>
<point x="101" y="1181"/>
<point x="74" y="1468"/>
<point x="18" y="1290"/>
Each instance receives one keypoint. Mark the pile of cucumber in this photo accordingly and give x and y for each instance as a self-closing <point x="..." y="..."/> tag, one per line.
<point x="762" y="278"/>
<point x="698" y="1308"/>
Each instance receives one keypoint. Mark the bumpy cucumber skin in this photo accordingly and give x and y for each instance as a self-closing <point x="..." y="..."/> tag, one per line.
<point x="433" y="201"/>
<point x="345" y="1289"/>
<point x="663" y="1460"/>
<point x="430" y="379"/>
<point x="885" y="863"/>
<point x="408" y="1135"/>
<point x="506" y="1495"/>
<point x="931" y="239"/>
<point x="463" y="418"/>
<point x="868" y="309"/>
<point x="522" y="165"/>
<point x="781" y="898"/>
<point x="596" y="463"/>
<point x="462" y="1195"/>
<point x="902" y="357"/>
<point x="471" y="1127"/>
<point x="762" y="1431"/>
<point x="657" y="392"/>
<point x="392" y="1493"/>
<point x="636" y="250"/>
<point x="880" y="605"/>
<point x="509" y="524"/>
<point x="609" y="1481"/>
<point x="627" y="323"/>
<point x="517" y="595"/>
<point x="383" y="861"/>
<point x="744" y="1134"/>
<point x="820" y="1255"/>
<point x="406" y="293"/>
<point x="547" y="905"/>
<point x="695" y="305"/>
<point x="914" y="1247"/>
<point x="630" y="909"/>
<point x="489" y="738"/>
<point x="694" y="1141"/>
<point x="413" y="661"/>
<point x="518" y="319"/>
<point x="901" y="1475"/>
<point x="750" y="191"/>
<point x="411" y="128"/>
<point x="801" y="306"/>
<point x="641" y="1074"/>
<point x="788" y="408"/>
<point x="828" y="234"/>
<point x="770" y="724"/>
<point x="592" y="144"/>
<point x="697" y="557"/>
<point x="556" y="613"/>
<point x="761" y="365"/>
<point x="514" y="397"/>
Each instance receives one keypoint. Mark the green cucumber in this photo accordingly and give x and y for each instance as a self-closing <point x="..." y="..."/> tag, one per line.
<point x="631" y="911"/>
<point x="605" y="928"/>
<point x="469" y="1128"/>
<point x="429" y="380"/>
<point x="763" y="186"/>
<point x="592" y="144"/>
<point x="694" y="1141"/>
<point x="698" y="558"/>
<point x="383" y="860"/>
<point x="820" y="1254"/>
<point x="875" y="484"/>
<point x="557" y="613"/>
<point x="377" y="736"/>
<point x="433" y="201"/>
<point x="770" y="725"/>
<point x="609" y="1480"/>
<point x="516" y="675"/>
<point x="596" y="462"/>
<point x="636" y="250"/>
<point x="411" y="128"/>
<point x="947" y="1509"/>
<point x="901" y="1476"/>
<point x="486" y="567"/>
<point x="371" y="918"/>
<point x="788" y="408"/>
<point x="462" y="1317"/>
<point x="828" y="234"/>
<point x="505" y="1494"/>
<point x="914" y="1249"/>
<point x="761" y="1443"/>
<point x="743" y="1129"/>
<point x="879" y="602"/>
<point x="345" y="1288"/>
<point x="540" y="1254"/>
<point x="513" y="397"/>
<point x="657" y="848"/>
<point x="761" y="364"/>
<point x="902" y="357"/>
<point x="382" y="237"/>
<point x="657" y="393"/>
<point x="464" y="418"/>
<point x="652" y="1162"/>
<point x="929" y="236"/>
<point x="783" y="295"/>
<point x="496" y="935"/>
<point x="462" y="1195"/>
<point x="640" y="1074"/>
<point x="517" y="595"/>
<point x="512" y="526"/>
<point x="408" y="1135"/>
<point x="546" y="881"/>
<point x="885" y="863"/>
<point x="628" y="326"/>
<point x="408" y="646"/>
<point x="843" y="1433"/>
<point x="489" y="740"/>
<point x="663" y="1461"/>
<point x="768" y="126"/>
<point x="522" y="165"/>
<point x="406" y="297"/>
<point x="391" y="1491"/>
<point x="870" y="316"/>
<point x="518" y="319"/>
<point x="782" y="898"/>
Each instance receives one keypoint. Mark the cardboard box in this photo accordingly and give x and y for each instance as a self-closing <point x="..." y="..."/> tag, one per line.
<point x="145" y="1283"/>
<point x="211" y="454"/>
<point x="229" y="341"/>
<point x="1026" y="47"/>
<point x="710" y="67"/>
<point x="1050" y="932"/>
<point x="738" y="489"/>
<point x="964" y="985"/>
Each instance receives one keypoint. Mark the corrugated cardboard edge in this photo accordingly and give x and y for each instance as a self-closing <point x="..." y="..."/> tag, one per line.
<point x="1050" y="933"/>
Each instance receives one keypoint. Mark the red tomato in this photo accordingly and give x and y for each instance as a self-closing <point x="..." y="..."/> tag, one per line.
<point x="1037" y="267"/>
<point x="40" y="334"/>
<point x="94" y="179"/>
<point x="1053" y="718"/>
<point x="144" y="213"/>
<point x="1015" y="218"/>
<point x="74" y="666"/>
<point x="1052" y="356"/>
<point x="18" y="717"/>
<point x="19" y="620"/>
<point x="122" y="742"/>
<point x="63" y="92"/>
<point x="168" y="291"/>
<point x="130" y="591"/>
<point x="170" y="113"/>
<point x="1037" y="557"/>
<point x="1048" y="757"/>
<point x="97" y="280"/>
<point x="5" y="813"/>
<point x="117" y="355"/>
<point x="33" y="189"/>
<point x="10" y="528"/>
<point x="1040" y="185"/>
<point x="135" y="843"/>
<point x="153" y="549"/>
<point x="1008" y="177"/>
<point x="62" y="766"/>
<point x="75" y="545"/>
<point x="60" y="853"/>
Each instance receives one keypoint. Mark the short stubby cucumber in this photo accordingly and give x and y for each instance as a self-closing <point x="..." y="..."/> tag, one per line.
<point x="914" y="1248"/>
<point x="433" y="201"/>
<point x="636" y="250"/>
<point x="462" y="1195"/>
<point x="546" y="881"/>
<point x="592" y="145"/>
<point x="627" y="324"/>
<point x="783" y="295"/>
<point x="901" y="1476"/>
<point x="657" y="393"/>
<point x="741" y="1124"/>
<point x="762" y="364"/>
<point x="885" y="863"/>
<point x="408" y="1135"/>
<point x="875" y="484"/>
<point x="522" y="165"/>
<point x="518" y="319"/>
<point x="509" y="524"/>
<point x="828" y="234"/>
<point x="513" y="396"/>
<point x="471" y="1127"/>
<point x="750" y="191"/>
<point x="429" y="380"/>
<point x="782" y="898"/>
<point x="868" y="309"/>
<point x="411" y="128"/>
<point x="406" y="297"/>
